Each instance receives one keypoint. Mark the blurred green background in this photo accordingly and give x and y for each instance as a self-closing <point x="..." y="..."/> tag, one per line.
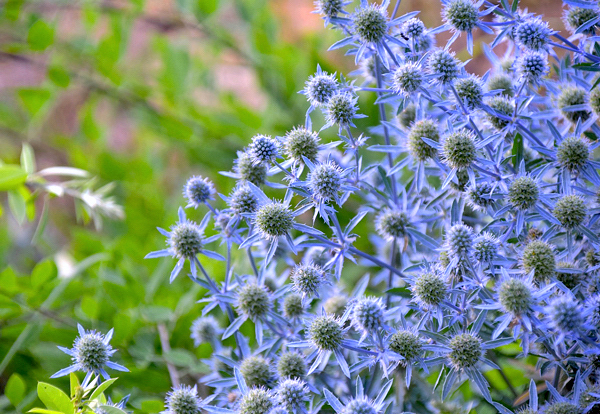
<point x="142" y="93"/>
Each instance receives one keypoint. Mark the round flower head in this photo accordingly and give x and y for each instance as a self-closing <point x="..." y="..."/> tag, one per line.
<point x="515" y="296"/>
<point x="566" y="315"/>
<point x="574" y="17"/>
<point x="359" y="406"/>
<point x="458" y="149"/>
<point x="418" y="148"/>
<point x="329" y="8"/>
<point x="243" y="200"/>
<point x="413" y="28"/>
<point x="573" y="153"/>
<point x="503" y="106"/>
<point x="424" y="42"/>
<point x="256" y="401"/>
<point x="336" y="305"/>
<point x="501" y="82"/>
<point x="430" y="289"/>
<point x="341" y="109"/>
<point x="461" y="14"/>
<point x="293" y="394"/>
<point x="479" y="196"/>
<point x="407" y="344"/>
<point x="320" y="87"/>
<point x="291" y="365"/>
<point x="470" y="91"/>
<point x="592" y="257"/>
<point x="183" y="399"/>
<point x="562" y="407"/>
<point x="300" y="142"/>
<point x="465" y="351"/>
<point x="308" y="279"/>
<point x="407" y="78"/>
<point x="595" y="100"/>
<point x="370" y="23"/>
<point x="594" y="306"/>
<point x="292" y="306"/>
<point x="391" y="224"/>
<point x="368" y="315"/>
<point x="533" y="66"/>
<point x="325" y="181"/>
<point x="205" y="329"/>
<point x="187" y="240"/>
<point x="326" y="333"/>
<point x="263" y="149"/>
<point x="460" y="240"/>
<point x="253" y="301"/>
<point x="523" y="193"/>
<point x="249" y="171"/>
<point x="571" y="211"/>
<point x="573" y="95"/>
<point x="274" y="220"/>
<point x="532" y="34"/>
<point x="198" y="190"/>
<point x="486" y="248"/>
<point x="570" y="280"/>
<point x="538" y="256"/>
<point x="443" y="65"/>
<point x="408" y="115"/>
<point x="256" y="371"/>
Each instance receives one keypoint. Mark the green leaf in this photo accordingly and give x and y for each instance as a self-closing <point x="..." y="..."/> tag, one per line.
<point x="15" y="389"/>
<point x="17" y="205"/>
<point x="27" y="159"/>
<point x="11" y="177"/>
<point x="33" y="99"/>
<point x="43" y="411"/>
<point x="180" y="357"/>
<point x="206" y="7"/>
<point x="153" y="406"/>
<point x="102" y="387"/>
<point x="59" y="76"/>
<point x="74" y="383"/>
<point x="40" y="36"/>
<point x="43" y="272"/>
<point x="54" y="398"/>
<point x="156" y="313"/>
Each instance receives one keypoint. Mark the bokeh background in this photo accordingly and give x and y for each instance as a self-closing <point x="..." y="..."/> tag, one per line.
<point x="142" y="93"/>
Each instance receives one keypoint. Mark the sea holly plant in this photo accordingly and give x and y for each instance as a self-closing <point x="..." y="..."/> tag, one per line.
<point x="414" y="260"/>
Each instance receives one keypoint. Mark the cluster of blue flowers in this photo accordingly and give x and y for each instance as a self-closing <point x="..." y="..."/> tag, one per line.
<point x="481" y="200"/>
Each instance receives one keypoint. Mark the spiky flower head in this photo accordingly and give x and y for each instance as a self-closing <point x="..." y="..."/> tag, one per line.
<point x="408" y="115"/>
<point x="458" y="149"/>
<point x="325" y="181"/>
<point x="461" y="14"/>
<point x="257" y="401"/>
<point x="320" y="87"/>
<point x="532" y="33"/>
<point x="533" y="66"/>
<point x="392" y="224"/>
<point x="523" y="193"/>
<point x="566" y="314"/>
<point x="301" y="142"/>
<point x="204" y="330"/>
<point x="341" y="109"/>
<point x="592" y="257"/>
<point x="326" y="333"/>
<point x="407" y="344"/>
<point x="198" y="190"/>
<point x="407" y="78"/>
<point x="291" y="365"/>
<point x="359" y="406"/>
<point x="595" y="100"/>
<point x="443" y="65"/>
<point x="329" y="8"/>
<point x="183" y="399"/>
<point x="292" y="393"/>
<point x="292" y="306"/>
<point x="249" y="171"/>
<point x="253" y="300"/>
<point x="569" y="279"/>
<point x="594" y="306"/>
<point x="465" y="351"/>
<point x="573" y="95"/>
<point x="242" y="200"/>
<point x="573" y="153"/>
<point x="368" y="315"/>
<point x="274" y="220"/>
<point x="336" y="305"/>
<point x="308" y="279"/>
<point x="186" y="240"/>
<point x="574" y="17"/>
<point x="479" y="196"/>
<point x="470" y="91"/>
<point x="570" y="210"/>
<point x="419" y="149"/>
<point x="486" y="248"/>
<point x="263" y="148"/>
<point x="424" y="42"/>
<point x="501" y="82"/>
<point x="430" y="289"/>
<point x="539" y="257"/>
<point x="370" y="23"/>
<point x="256" y="371"/>
<point x="460" y="241"/>
<point x="504" y="107"/>
<point x="563" y="407"/>
<point x="515" y="296"/>
<point x="413" y="27"/>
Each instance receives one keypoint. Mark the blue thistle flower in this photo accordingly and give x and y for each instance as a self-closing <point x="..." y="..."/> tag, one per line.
<point x="198" y="190"/>
<point x="533" y="33"/>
